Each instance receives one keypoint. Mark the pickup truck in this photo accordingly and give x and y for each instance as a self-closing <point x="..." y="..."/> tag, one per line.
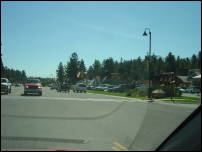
<point x="33" y="86"/>
<point x="5" y="85"/>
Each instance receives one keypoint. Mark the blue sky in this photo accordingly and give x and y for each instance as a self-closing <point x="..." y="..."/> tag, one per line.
<point x="36" y="36"/>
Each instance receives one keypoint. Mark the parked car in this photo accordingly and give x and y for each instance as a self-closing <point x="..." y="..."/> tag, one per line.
<point x="54" y="86"/>
<point x="142" y="87"/>
<point x="183" y="90"/>
<point x="64" y="87"/>
<point x="33" y="86"/>
<point x="5" y="85"/>
<point x="120" y="88"/>
<point x="88" y="87"/>
<point x="91" y="87"/>
<point x="109" y="87"/>
<point x="50" y="85"/>
<point x="193" y="90"/>
<point x="79" y="87"/>
<point x="101" y="87"/>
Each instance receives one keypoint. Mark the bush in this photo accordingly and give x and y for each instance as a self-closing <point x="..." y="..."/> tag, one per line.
<point x="143" y="92"/>
<point x="140" y="92"/>
<point x="178" y="93"/>
<point x="172" y="91"/>
<point x="129" y="92"/>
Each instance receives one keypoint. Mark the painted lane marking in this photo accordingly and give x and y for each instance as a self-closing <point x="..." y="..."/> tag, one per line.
<point x="119" y="147"/>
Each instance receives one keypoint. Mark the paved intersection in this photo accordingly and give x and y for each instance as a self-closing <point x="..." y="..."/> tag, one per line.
<point x="86" y="121"/>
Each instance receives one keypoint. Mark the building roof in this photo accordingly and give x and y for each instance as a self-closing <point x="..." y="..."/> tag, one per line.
<point x="184" y="79"/>
<point x="159" y="91"/>
<point x="197" y="77"/>
<point x="194" y="72"/>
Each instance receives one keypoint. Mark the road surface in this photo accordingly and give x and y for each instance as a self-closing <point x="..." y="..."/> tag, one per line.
<point x="86" y="121"/>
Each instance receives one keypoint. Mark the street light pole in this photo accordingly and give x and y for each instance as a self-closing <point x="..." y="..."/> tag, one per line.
<point x="145" y="34"/>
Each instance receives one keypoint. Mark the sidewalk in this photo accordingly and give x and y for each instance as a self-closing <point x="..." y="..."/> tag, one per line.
<point x="174" y="102"/>
<point x="191" y="95"/>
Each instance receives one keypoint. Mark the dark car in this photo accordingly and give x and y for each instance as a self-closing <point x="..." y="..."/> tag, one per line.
<point x="64" y="87"/>
<point x="54" y="86"/>
<point x="120" y="88"/>
<point x="79" y="87"/>
<point x="91" y="87"/>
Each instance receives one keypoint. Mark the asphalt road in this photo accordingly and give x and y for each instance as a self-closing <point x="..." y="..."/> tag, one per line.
<point x="86" y="121"/>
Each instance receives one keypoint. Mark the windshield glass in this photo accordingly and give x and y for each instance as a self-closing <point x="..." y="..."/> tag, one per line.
<point x="33" y="81"/>
<point x="82" y="85"/>
<point x="3" y="81"/>
<point x="119" y="75"/>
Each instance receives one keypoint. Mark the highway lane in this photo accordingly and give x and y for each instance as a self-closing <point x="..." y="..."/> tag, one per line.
<point x="86" y="121"/>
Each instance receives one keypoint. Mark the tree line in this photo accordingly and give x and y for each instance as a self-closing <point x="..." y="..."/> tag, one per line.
<point x="125" y="71"/>
<point x="13" y="75"/>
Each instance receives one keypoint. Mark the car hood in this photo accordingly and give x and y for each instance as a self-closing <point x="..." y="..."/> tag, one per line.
<point x="4" y="83"/>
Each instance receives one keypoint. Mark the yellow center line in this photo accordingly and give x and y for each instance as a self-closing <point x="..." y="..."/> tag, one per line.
<point x="119" y="147"/>
<point x="116" y="149"/>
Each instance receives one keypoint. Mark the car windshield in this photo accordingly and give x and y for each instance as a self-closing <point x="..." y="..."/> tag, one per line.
<point x="82" y="85"/>
<point x="33" y="81"/>
<point x="3" y="81"/>
<point x="98" y="75"/>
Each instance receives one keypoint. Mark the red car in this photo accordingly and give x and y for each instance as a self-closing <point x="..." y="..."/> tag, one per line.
<point x="33" y="86"/>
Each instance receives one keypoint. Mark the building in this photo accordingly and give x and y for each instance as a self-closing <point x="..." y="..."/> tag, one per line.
<point x="191" y="79"/>
<point x="184" y="81"/>
<point x="197" y="81"/>
<point x="170" y="78"/>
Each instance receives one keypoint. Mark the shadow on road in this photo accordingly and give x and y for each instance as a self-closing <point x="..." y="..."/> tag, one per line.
<point x="3" y="93"/>
<point x="102" y="116"/>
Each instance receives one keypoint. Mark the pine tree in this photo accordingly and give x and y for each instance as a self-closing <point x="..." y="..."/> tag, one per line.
<point x="60" y="73"/>
<point x="72" y="68"/>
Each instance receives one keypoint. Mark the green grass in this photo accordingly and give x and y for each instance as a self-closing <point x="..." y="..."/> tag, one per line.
<point x="183" y="100"/>
<point x="104" y="92"/>
<point x="123" y="94"/>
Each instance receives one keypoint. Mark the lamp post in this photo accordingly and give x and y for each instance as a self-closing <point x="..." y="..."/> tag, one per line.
<point x="145" y="34"/>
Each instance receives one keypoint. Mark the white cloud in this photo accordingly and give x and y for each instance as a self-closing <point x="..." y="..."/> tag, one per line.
<point x="113" y="32"/>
